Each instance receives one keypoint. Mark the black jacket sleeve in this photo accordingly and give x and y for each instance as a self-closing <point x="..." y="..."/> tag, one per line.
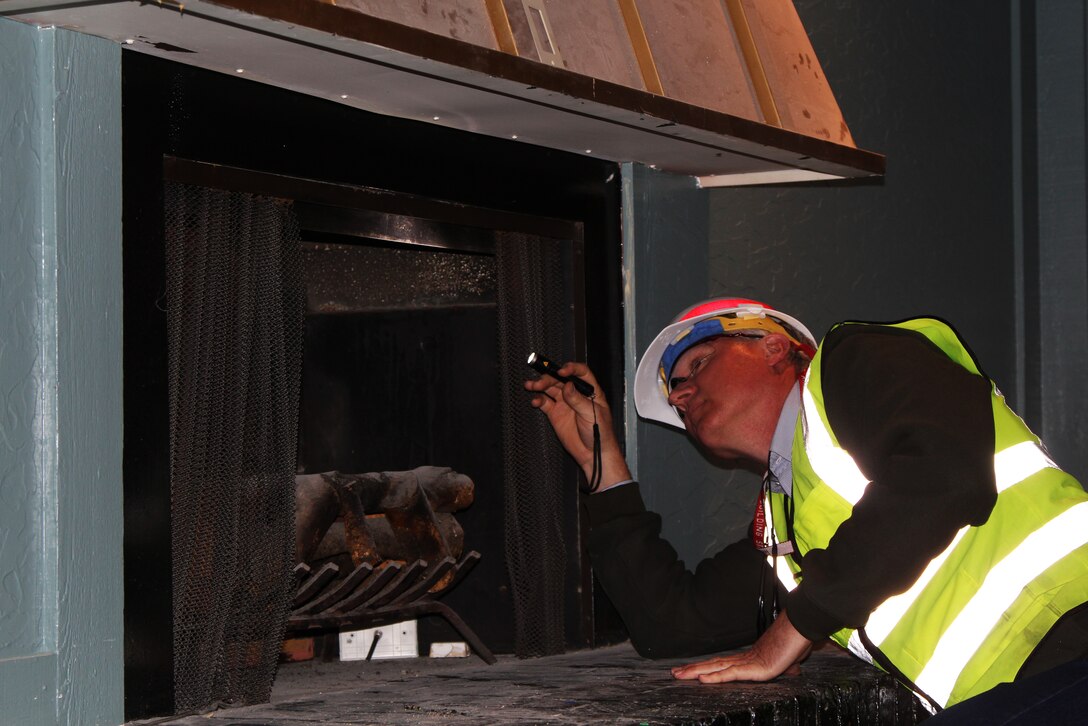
<point x="668" y="610"/>
<point x="920" y="428"/>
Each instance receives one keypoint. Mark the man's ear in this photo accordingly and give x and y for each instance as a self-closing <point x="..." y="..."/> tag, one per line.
<point x="776" y="350"/>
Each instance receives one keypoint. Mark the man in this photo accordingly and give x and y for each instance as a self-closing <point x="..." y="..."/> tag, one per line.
<point x="907" y="512"/>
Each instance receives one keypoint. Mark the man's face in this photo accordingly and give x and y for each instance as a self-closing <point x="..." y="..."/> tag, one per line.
<point x="720" y="391"/>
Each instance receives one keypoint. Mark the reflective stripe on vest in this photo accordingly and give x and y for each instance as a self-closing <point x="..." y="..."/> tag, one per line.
<point x="1011" y="466"/>
<point x="830" y="463"/>
<point x="833" y="464"/>
<point x="1041" y="549"/>
<point x="782" y="569"/>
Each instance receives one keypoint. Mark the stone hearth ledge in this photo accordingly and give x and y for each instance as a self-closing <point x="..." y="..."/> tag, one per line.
<point x="611" y="685"/>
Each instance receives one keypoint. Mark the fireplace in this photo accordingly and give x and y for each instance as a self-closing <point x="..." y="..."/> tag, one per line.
<point x="413" y="350"/>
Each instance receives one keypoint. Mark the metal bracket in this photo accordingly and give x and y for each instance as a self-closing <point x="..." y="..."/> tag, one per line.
<point x="541" y="29"/>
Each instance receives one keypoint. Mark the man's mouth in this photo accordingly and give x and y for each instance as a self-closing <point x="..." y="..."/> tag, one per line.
<point x="687" y="417"/>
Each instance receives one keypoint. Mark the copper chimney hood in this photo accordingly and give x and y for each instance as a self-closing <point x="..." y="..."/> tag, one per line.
<point x="729" y="91"/>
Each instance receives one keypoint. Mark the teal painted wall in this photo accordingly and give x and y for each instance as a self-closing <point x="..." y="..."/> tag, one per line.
<point x="24" y="365"/>
<point x="1055" y="245"/>
<point x="60" y="378"/>
<point x="666" y="260"/>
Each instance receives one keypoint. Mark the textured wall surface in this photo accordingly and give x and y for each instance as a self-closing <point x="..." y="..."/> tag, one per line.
<point x="665" y="258"/>
<point x="24" y="365"/>
<point x="89" y="491"/>
<point x="60" y="349"/>
<point x="1057" y="271"/>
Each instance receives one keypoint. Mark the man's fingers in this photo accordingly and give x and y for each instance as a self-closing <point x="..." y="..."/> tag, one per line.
<point x="694" y="670"/>
<point x="573" y="368"/>
<point x="540" y="384"/>
<point x="544" y="386"/>
<point x="542" y="401"/>
<point x="577" y="369"/>
<point x="726" y="675"/>
<point x="575" y="399"/>
<point x="725" y="670"/>
<point x="722" y="671"/>
<point x="747" y="671"/>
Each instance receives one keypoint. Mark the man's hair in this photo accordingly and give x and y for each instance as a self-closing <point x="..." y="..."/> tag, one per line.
<point x="799" y="360"/>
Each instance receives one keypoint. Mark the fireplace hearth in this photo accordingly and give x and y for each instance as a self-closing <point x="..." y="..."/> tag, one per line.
<point x="611" y="685"/>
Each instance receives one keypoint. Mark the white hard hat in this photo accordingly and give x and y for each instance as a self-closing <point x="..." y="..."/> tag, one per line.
<point x="723" y="315"/>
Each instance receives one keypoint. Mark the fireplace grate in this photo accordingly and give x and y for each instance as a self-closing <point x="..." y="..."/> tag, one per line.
<point x="389" y="593"/>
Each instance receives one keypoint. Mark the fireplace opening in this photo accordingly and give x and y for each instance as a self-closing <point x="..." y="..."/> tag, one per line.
<point x="412" y="352"/>
<point x="401" y="397"/>
<point x="414" y="327"/>
<point x="399" y="372"/>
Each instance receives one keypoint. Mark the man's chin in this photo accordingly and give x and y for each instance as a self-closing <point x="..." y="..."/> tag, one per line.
<point x="731" y="460"/>
<point x="707" y="448"/>
<point x="722" y="456"/>
<point x="726" y="460"/>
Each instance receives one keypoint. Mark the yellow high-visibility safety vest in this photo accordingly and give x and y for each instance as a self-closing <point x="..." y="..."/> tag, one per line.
<point x="982" y="605"/>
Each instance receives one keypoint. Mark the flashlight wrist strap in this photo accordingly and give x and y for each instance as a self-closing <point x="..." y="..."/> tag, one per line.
<point x="598" y="467"/>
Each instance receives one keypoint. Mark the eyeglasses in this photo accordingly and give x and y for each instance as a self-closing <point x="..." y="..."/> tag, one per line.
<point x="699" y="363"/>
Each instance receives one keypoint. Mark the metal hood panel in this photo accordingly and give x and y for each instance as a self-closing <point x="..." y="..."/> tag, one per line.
<point x="516" y="80"/>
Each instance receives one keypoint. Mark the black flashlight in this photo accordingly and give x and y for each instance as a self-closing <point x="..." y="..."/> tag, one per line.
<point x="541" y="364"/>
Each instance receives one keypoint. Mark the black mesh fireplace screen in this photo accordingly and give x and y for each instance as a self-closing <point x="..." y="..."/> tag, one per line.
<point x="235" y="304"/>
<point x="534" y="315"/>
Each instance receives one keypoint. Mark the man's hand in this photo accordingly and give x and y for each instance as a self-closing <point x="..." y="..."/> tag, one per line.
<point x="778" y="651"/>
<point x="572" y="415"/>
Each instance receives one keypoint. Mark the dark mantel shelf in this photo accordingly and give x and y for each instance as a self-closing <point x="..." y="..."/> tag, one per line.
<point x="395" y="70"/>
<point x="604" y="686"/>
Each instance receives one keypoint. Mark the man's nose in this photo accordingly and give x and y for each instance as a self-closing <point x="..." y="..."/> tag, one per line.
<point x="680" y="394"/>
